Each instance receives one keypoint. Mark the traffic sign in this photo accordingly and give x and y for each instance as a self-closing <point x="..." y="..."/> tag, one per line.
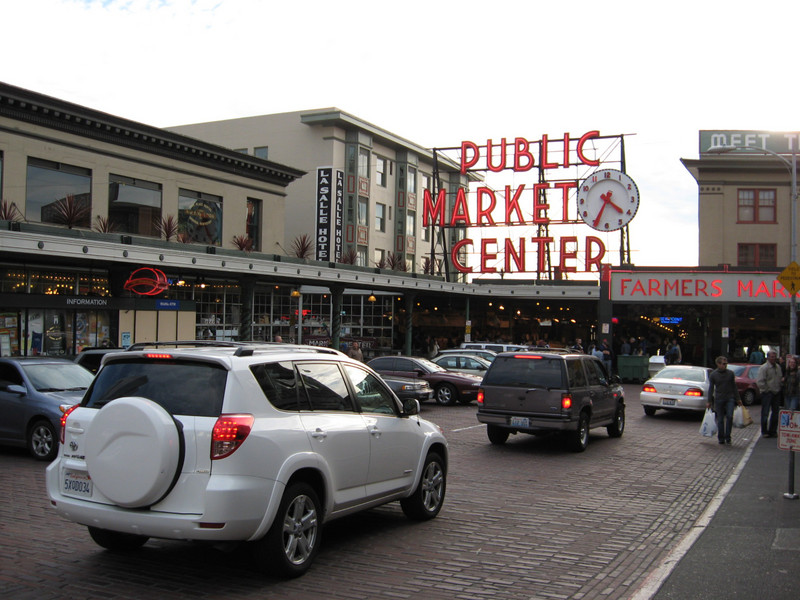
<point x="790" y="278"/>
<point x="789" y="430"/>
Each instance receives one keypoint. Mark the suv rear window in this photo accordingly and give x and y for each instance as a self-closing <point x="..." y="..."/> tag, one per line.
<point x="526" y="371"/>
<point x="180" y="387"/>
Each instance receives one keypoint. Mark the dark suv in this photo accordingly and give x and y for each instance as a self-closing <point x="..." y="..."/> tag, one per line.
<point x="544" y="391"/>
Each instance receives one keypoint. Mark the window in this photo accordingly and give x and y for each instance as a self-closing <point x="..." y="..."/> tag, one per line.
<point x="411" y="223"/>
<point x="756" y="206"/>
<point x="362" y="211"/>
<point x="58" y="193"/>
<point x="363" y="163"/>
<point x="200" y="217"/>
<point x="380" y="217"/>
<point x="426" y="182"/>
<point x="134" y="205"/>
<point x="380" y="170"/>
<point x="380" y="257"/>
<point x="253" y="223"/>
<point x="261" y="152"/>
<point x="758" y="255"/>
<point x="277" y="380"/>
<point x="372" y="397"/>
<point x="325" y="387"/>
<point x="411" y="184"/>
<point x="361" y="256"/>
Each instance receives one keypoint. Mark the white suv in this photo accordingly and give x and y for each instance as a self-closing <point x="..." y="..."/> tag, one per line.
<point x="241" y="442"/>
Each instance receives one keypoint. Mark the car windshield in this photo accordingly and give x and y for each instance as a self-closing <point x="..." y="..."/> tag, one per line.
<point x="737" y="369"/>
<point x="58" y="377"/>
<point x="696" y="375"/>
<point x="430" y="365"/>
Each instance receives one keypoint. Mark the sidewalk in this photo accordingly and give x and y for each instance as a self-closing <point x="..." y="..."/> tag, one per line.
<point x="749" y="547"/>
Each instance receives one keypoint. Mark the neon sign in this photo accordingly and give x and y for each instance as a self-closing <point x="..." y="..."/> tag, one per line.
<point x="147" y="282"/>
<point x="540" y="204"/>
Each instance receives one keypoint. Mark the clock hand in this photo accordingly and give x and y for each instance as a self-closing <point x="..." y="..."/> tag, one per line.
<point x="607" y="199"/>
<point x="600" y="213"/>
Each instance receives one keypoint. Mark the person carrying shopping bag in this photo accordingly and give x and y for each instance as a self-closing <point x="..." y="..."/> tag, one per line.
<point x="724" y="395"/>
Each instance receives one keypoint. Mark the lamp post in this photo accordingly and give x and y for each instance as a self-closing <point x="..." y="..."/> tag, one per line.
<point x="792" y="166"/>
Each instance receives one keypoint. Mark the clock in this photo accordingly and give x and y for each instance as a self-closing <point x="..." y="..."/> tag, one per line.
<point x="607" y="200"/>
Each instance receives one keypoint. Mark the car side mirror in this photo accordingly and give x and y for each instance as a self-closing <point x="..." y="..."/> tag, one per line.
<point x="411" y="407"/>
<point x="17" y="389"/>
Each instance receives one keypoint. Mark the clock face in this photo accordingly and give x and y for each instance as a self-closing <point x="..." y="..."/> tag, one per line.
<point x="607" y="200"/>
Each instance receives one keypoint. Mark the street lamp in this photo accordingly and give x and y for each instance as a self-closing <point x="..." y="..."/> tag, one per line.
<point x="792" y="166"/>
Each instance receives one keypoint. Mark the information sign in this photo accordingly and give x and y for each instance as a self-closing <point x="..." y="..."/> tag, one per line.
<point x="789" y="430"/>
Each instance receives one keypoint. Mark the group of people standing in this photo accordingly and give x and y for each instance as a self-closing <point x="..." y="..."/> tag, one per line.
<point x="776" y="384"/>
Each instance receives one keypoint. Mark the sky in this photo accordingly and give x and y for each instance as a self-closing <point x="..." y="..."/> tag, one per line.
<point x="438" y="72"/>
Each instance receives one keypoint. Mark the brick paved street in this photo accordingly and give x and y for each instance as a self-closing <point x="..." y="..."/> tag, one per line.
<point x="526" y="520"/>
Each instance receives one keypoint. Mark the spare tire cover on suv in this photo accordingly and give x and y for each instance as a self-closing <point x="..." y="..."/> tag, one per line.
<point x="133" y="451"/>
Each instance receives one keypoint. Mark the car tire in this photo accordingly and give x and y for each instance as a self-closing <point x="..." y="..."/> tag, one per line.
<point x="293" y="540"/>
<point x="616" y="429"/>
<point x="497" y="435"/>
<point x="749" y="398"/>
<point x="117" y="541"/>
<point x="426" y="501"/>
<point x="43" y="440"/>
<point x="446" y="394"/>
<point x="649" y="411"/>
<point x="579" y="438"/>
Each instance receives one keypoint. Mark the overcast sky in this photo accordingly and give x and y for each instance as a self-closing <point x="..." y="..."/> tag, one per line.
<point x="438" y="72"/>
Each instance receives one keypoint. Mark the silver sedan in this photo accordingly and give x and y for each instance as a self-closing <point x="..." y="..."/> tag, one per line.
<point x="463" y="363"/>
<point x="676" y="387"/>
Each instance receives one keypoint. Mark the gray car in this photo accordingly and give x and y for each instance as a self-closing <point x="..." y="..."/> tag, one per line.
<point x="545" y="391"/>
<point x="31" y="391"/>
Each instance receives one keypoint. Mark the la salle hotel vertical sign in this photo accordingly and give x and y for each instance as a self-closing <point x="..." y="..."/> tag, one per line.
<point x="330" y="207"/>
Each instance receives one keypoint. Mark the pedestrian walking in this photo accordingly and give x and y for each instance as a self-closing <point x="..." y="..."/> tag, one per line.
<point x="724" y="395"/>
<point x="770" y="381"/>
<point x="791" y="384"/>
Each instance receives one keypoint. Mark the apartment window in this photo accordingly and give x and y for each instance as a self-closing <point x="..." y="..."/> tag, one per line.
<point x="756" y="206"/>
<point x="58" y="193"/>
<point x="362" y="211"/>
<point x="411" y="183"/>
<point x="426" y="234"/>
<point x="426" y="182"/>
<point x="380" y="217"/>
<point x="240" y="150"/>
<point x="253" y="223"/>
<point x="261" y="152"/>
<point x="200" y="217"/>
<point x="758" y="255"/>
<point x="363" y="163"/>
<point x="380" y="170"/>
<point x="134" y="205"/>
<point x="411" y="223"/>
<point x="361" y="256"/>
<point x="379" y="256"/>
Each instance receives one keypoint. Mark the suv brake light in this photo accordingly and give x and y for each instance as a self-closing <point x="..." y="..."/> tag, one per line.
<point x="566" y="401"/>
<point x="229" y="433"/>
<point x="66" y="410"/>
<point x="480" y="397"/>
<point x="159" y="355"/>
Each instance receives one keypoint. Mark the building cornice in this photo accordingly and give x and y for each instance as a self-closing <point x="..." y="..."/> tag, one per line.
<point x="45" y="111"/>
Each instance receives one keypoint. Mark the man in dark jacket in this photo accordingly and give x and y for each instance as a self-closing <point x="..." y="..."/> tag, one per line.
<point x="725" y="396"/>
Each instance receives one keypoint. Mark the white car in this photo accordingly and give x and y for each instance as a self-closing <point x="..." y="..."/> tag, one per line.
<point x="676" y="387"/>
<point x="236" y="442"/>
<point x="463" y="363"/>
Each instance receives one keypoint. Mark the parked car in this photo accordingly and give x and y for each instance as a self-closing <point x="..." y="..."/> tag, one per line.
<point x="541" y="391"/>
<point x="655" y="364"/>
<point x="31" y="391"/>
<point x="448" y="387"/>
<point x="494" y="347"/>
<point x="90" y="358"/>
<point x="406" y="388"/>
<point x="676" y="387"/>
<point x="485" y="354"/>
<point x="462" y="363"/>
<point x="230" y="442"/>
<point x="746" y="375"/>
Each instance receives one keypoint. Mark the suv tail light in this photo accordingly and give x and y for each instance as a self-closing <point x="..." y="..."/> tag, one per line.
<point x="66" y="410"/>
<point x="566" y="401"/>
<point x="480" y="397"/>
<point x="230" y="432"/>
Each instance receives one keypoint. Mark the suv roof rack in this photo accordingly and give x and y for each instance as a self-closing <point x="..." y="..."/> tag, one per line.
<point x="247" y="348"/>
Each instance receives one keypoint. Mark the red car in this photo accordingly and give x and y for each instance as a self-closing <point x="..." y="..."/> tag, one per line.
<point x="746" y="374"/>
<point x="449" y="387"/>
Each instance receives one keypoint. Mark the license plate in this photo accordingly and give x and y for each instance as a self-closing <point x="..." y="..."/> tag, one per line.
<point x="668" y="402"/>
<point x="76" y="484"/>
<point x="520" y="422"/>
